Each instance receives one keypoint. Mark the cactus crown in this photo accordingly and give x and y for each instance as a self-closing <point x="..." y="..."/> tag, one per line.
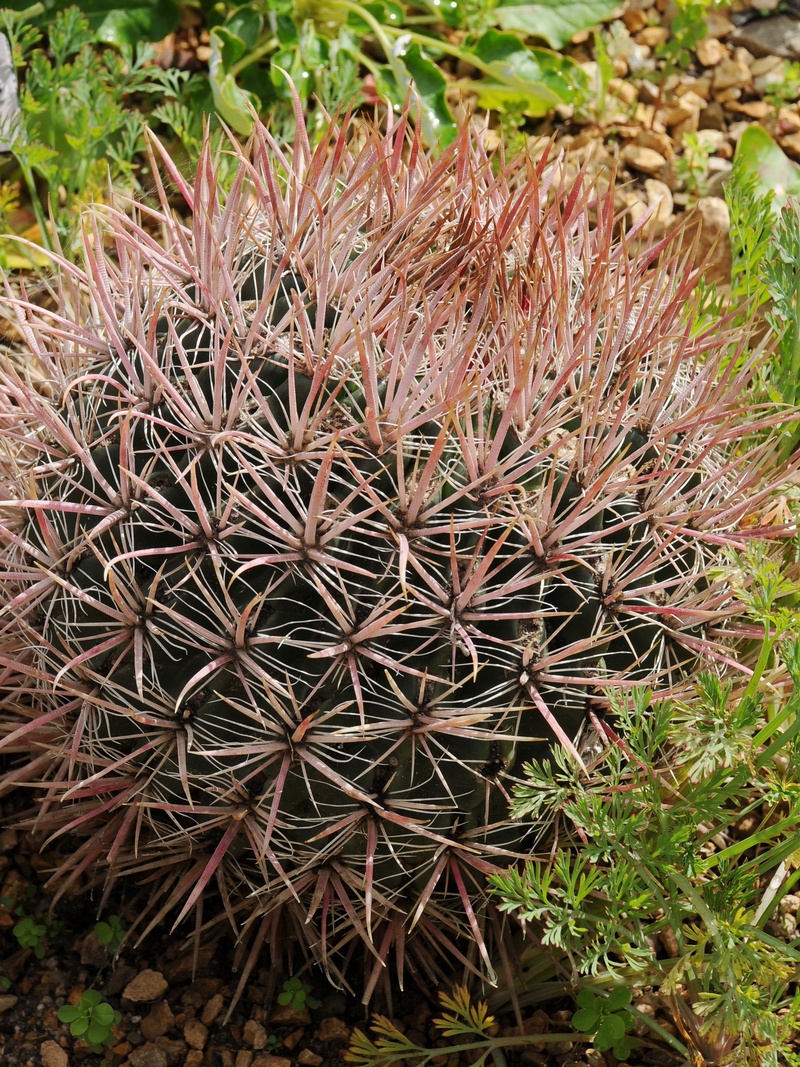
<point x="323" y="512"/>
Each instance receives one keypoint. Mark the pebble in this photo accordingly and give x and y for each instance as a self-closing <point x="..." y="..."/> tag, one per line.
<point x="645" y="160"/>
<point x="286" y="1015"/>
<point x="53" y="1055"/>
<point x="157" y="1021"/>
<point x="731" y="74"/>
<point x="265" y="1060"/>
<point x="145" y="987"/>
<point x="307" y="1058"/>
<point x="659" y="200"/>
<point x="149" y="1055"/>
<point x="212" y="1009"/>
<point x="7" y="1002"/>
<point x="333" y="1030"/>
<point x="254" y="1034"/>
<point x="711" y="51"/>
<point x="778" y="35"/>
<point x="196" y="1034"/>
<point x="194" y="1058"/>
<point x="244" y="1058"/>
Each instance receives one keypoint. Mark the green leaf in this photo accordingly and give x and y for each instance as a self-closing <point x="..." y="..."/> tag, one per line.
<point x="759" y="155"/>
<point x="68" y="1013"/>
<point x="141" y="20"/>
<point x="79" y="1027"/>
<point x="533" y="79"/>
<point x="438" y="124"/>
<point x="554" y="21"/>
<point x="617" y="998"/>
<point x="233" y="105"/>
<point x="103" y="1015"/>
<point x="97" y="1033"/>
<point x="586" y="1020"/>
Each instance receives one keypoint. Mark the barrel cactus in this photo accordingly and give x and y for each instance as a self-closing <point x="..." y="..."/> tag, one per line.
<point x="322" y="512"/>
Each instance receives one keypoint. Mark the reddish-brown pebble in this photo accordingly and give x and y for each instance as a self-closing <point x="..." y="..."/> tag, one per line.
<point x="53" y="1055"/>
<point x="333" y="1030"/>
<point x="243" y="1058"/>
<point x="194" y="1058"/>
<point x="149" y="1055"/>
<point x="286" y="1015"/>
<point x="212" y="1009"/>
<point x="195" y="1033"/>
<point x="254" y="1034"/>
<point x="146" y="987"/>
<point x="292" y="1038"/>
<point x="157" y="1021"/>
<point x="307" y="1058"/>
<point x="265" y="1060"/>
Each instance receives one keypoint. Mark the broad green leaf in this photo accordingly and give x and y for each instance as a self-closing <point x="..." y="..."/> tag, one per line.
<point x="618" y="998"/>
<point x="233" y="105"/>
<point x="554" y="21"/>
<point x="438" y="123"/>
<point x="586" y="1020"/>
<point x="772" y="168"/>
<point x="140" y="20"/>
<point x="533" y="79"/>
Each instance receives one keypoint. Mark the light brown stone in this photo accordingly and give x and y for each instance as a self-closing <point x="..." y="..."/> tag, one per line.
<point x="307" y="1058"/>
<point x="286" y="1015"/>
<point x="196" y="1034"/>
<point x="148" y="1055"/>
<point x="53" y="1055"/>
<point x="710" y="51"/>
<point x="652" y="36"/>
<point x="254" y="1034"/>
<point x="709" y="223"/>
<point x="244" y="1058"/>
<point x="146" y="987"/>
<point x="333" y="1030"/>
<point x="635" y="20"/>
<point x="157" y="1021"/>
<point x="212" y="1009"/>
<point x="718" y="25"/>
<point x="265" y="1060"/>
<point x="194" y="1058"/>
<point x="642" y="159"/>
<point x="731" y="73"/>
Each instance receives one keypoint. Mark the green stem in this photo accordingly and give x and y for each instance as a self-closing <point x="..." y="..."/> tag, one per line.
<point x="269" y="44"/>
<point x="36" y="205"/>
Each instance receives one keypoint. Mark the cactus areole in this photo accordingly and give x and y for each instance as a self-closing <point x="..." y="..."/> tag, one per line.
<point x="323" y="512"/>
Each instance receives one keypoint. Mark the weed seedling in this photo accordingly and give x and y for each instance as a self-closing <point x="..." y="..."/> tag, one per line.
<point x="607" y="1019"/>
<point x="111" y="933"/>
<point x="92" y="1019"/>
<point x="297" y="994"/>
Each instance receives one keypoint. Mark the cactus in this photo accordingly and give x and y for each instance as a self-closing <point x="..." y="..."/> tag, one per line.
<point x="323" y="511"/>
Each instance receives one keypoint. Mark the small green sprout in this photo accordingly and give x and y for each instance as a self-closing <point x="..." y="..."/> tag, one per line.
<point x="111" y="933"/>
<point x="297" y="995"/>
<point x="92" y="1019"/>
<point x="607" y="1019"/>
<point x="30" y="934"/>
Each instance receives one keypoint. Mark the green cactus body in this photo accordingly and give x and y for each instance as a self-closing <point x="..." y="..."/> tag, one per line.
<point x="322" y="518"/>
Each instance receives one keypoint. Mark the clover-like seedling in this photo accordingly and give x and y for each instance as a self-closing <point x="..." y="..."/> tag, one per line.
<point x="111" y="933"/>
<point x="607" y="1020"/>
<point x="92" y="1019"/>
<point x="297" y="995"/>
<point x="30" y="934"/>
